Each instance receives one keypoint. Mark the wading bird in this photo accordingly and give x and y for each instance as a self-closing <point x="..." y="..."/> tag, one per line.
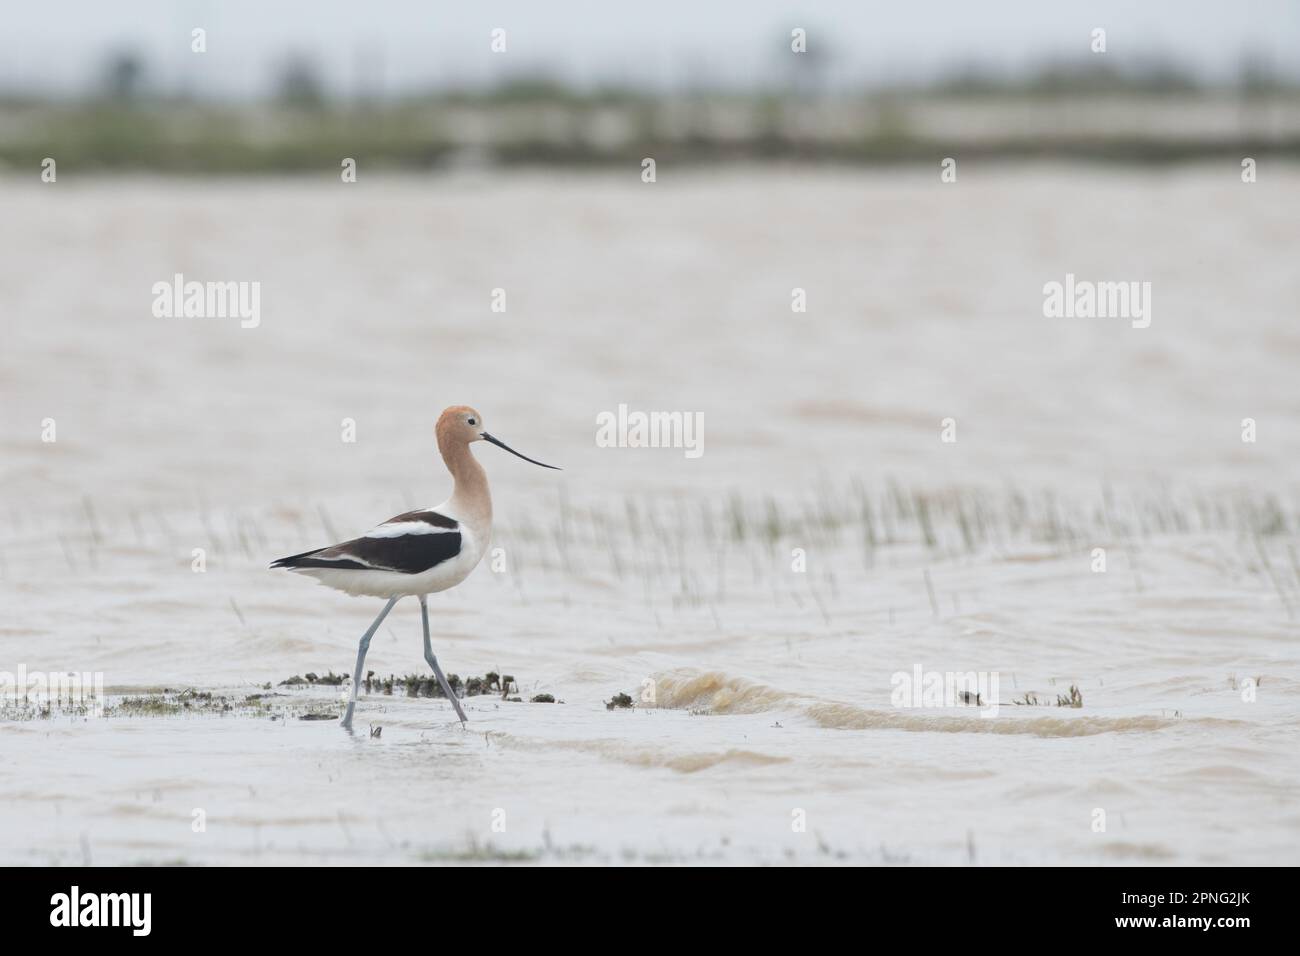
<point x="420" y="552"/>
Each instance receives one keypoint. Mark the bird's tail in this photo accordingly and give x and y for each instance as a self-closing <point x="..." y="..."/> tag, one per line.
<point x="294" y="560"/>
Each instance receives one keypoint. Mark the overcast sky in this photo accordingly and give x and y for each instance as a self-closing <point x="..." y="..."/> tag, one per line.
<point x="60" y="45"/>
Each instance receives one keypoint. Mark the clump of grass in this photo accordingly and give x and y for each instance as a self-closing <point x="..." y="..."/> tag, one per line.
<point x="1073" y="699"/>
<point x="1236" y="685"/>
<point x="619" y="700"/>
<point x="147" y="705"/>
<point x="166" y="702"/>
<point x="489" y="683"/>
<point x="426" y="685"/>
<point x="472" y="851"/>
<point x="475" y="852"/>
<point x="681" y="557"/>
<point x="169" y="704"/>
<point x="420" y="685"/>
<point x="543" y="699"/>
<point x="330" y="679"/>
<point x="195" y="700"/>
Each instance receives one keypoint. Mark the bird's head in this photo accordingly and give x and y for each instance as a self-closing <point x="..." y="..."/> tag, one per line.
<point x="462" y="425"/>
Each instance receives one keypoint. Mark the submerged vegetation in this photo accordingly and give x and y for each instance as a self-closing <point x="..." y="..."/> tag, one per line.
<point x="1072" y="699"/>
<point x="330" y="680"/>
<point x="712" y="555"/>
<point x="1029" y="699"/>
<point x="190" y="702"/>
<point x="278" y="706"/>
<point x="697" y="551"/>
<point x="426" y="685"/>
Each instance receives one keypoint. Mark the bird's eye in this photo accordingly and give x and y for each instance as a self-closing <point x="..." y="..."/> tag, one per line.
<point x="472" y="422"/>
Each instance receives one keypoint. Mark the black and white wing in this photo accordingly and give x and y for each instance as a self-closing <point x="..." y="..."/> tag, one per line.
<point x="409" y="543"/>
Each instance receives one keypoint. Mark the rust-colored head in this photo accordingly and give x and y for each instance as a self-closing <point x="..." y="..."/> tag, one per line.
<point x="459" y="425"/>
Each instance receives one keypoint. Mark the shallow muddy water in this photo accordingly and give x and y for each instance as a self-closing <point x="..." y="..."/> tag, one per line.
<point x="773" y="733"/>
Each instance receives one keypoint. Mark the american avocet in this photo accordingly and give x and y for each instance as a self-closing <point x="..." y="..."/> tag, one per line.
<point x="420" y="552"/>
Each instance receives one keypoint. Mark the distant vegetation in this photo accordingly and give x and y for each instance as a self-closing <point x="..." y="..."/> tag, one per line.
<point x="1080" y="111"/>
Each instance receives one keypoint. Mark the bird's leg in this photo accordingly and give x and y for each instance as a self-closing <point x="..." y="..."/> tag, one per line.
<point x="433" y="661"/>
<point x="346" y="722"/>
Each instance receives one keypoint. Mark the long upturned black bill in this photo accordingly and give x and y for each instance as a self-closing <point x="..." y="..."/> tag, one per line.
<point x="500" y="444"/>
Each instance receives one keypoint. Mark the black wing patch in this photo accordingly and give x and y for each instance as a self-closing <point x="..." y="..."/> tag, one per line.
<point x="309" y="560"/>
<point x="404" y="553"/>
<point x="428" y="517"/>
<point x="407" y="553"/>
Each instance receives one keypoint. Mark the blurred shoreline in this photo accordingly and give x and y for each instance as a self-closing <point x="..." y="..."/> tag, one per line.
<point x="539" y="124"/>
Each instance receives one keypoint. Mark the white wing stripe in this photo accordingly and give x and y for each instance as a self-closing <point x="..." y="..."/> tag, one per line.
<point x="399" y="528"/>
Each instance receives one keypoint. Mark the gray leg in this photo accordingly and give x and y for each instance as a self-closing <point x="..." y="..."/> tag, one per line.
<point x="433" y="661"/>
<point x="346" y="722"/>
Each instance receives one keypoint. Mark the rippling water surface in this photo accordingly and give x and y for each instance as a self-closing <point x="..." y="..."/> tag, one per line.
<point x="764" y="728"/>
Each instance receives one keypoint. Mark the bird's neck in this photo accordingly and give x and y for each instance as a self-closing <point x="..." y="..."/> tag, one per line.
<point x="470" y="499"/>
